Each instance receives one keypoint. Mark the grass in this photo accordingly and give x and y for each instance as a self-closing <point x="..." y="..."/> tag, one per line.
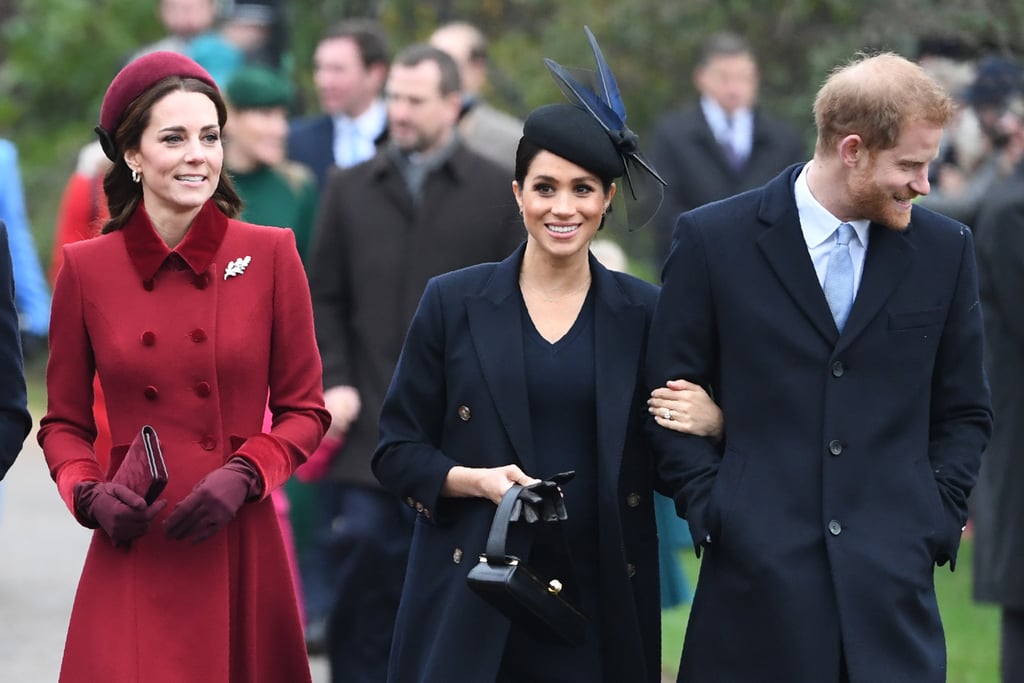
<point x="972" y="630"/>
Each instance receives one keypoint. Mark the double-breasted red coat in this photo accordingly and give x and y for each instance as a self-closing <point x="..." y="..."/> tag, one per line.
<point x="184" y="345"/>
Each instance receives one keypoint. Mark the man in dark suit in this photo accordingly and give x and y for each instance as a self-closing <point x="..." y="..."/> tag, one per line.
<point x="349" y="69"/>
<point x="838" y="326"/>
<point x="15" y="422"/>
<point x="997" y="507"/>
<point x="724" y="143"/>
<point x="424" y="205"/>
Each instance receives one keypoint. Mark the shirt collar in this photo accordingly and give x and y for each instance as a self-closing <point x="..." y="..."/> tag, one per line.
<point x="147" y="250"/>
<point x="368" y="125"/>
<point x="718" y="121"/>
<point x="817" y="222"/>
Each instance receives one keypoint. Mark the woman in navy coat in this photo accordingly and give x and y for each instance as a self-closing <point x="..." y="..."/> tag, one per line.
<point x="515" y="371"/>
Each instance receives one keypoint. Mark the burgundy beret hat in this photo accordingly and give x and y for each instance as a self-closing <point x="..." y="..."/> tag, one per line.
<point x="137" y="77"/>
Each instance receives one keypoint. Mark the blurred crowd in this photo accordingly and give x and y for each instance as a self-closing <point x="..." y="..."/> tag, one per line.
<point x="319" y="172"/>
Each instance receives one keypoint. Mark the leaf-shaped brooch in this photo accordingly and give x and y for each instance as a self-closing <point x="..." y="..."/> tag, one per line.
<point x="237" y="267"/>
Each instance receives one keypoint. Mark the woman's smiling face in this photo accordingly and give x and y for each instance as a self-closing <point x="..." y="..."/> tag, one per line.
<point x="562" y="204"/>
<point x="179" y="156"/>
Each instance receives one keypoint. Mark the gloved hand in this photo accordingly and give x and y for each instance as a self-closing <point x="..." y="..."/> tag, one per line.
<point x="116" y="509"/>
<point x="213" y="502"/>
<point x="542" y="501"/>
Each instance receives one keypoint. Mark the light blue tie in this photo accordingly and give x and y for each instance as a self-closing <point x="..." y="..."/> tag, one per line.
<point x="839" y="276"/>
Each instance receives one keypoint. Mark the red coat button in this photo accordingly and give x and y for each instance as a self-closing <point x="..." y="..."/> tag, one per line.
<point x="147" y="284"/>
<point x="203" y="389"/>
<point x="208" y="443"/>
<point x="148" y="338"/>
<point x="198" y="335"/>
<point x="200" y="281"/>
<point x="150" y="392"/>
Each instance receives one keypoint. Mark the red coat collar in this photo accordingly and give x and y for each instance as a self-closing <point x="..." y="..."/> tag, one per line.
<point x="148" y="251"/>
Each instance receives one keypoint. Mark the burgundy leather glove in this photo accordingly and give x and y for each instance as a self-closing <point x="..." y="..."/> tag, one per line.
<point x="213" y="502"/>
<point x="115" y="508"/>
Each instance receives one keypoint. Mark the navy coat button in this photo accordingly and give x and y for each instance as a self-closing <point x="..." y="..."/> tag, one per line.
<point x="457" y="555"/>
<point x="835" y="528"/>
<point x="148" y="338"/>
<point x="410" y="502"/>
<point x="465" y="413"/>
<point x="150" y="392"/>
<point x="633" y="499"/>
<point x="835" y="447"/>
<point x="630" y="570"/>
<point x="837" y="369"/>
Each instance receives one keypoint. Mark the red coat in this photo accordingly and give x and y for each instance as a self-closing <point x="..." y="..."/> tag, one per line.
<point x="179" y="346"/>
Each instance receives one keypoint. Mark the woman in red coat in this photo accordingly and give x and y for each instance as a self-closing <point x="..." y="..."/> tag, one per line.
<point x="190" y="318"/>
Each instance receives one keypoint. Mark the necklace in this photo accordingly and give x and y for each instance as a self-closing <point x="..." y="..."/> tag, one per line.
<point x="553" y="297"/>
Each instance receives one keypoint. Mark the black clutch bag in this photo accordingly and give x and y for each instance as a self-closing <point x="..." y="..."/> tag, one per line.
<point x="143" y="469"/>
<point x="529" y="599"/>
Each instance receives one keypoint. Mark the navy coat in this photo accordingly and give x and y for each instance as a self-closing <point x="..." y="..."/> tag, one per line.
<point x="311" y="142"/>
<point x="459" y="397"/>
<point x="15" y="422"/>
<point x="848" y="457"/>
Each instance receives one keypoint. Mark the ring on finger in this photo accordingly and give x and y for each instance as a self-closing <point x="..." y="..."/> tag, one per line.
<point x="667" y="414"/>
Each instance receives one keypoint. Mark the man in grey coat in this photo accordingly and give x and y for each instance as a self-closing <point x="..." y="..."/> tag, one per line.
<point x="424" y="205"/>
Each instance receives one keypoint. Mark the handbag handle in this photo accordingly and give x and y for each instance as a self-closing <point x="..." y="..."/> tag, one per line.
<point x="499" y="527"/>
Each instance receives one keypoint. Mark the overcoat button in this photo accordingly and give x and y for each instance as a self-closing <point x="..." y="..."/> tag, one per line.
<point x="198" y="335"/>
<point x="835" y="447"/>
<point x="633" y="499"/>
<point x="208" y="443"/>
<point x="410" y="502"/>
<point x="147" y="284"/>
<point x="630" y="570"/>
<point x="203" y="389"/>
<point x="148" y="338"/>
<point x="465" y="413"/>
<point x="419" y="506"/>
<point x="837" y="369"/>
<point x="457" y="555"/>
<point x="150" y="392"/>
<point x="835" y="528"/>
<point x="200" y="281"/>
<point x="426" y="513"/>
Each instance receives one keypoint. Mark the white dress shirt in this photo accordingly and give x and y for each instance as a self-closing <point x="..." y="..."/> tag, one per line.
<point x="354" y="138"/>
<point x="736" y="131"/>
<point x="819" y="228"/>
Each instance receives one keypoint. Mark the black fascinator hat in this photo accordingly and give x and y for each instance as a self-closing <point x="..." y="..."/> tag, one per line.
<point x="591" y="132"/>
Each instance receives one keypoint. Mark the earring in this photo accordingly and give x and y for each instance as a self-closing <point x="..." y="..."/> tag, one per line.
<point x="135" y="176"/>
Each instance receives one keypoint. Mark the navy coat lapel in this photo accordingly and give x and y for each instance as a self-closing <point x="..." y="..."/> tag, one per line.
<point x="494" y="325"/>
<point x="619" y="330"/>
<point x="784" y="246"/>
<point x="619" y="334"/>
<point x="884" y="266"/>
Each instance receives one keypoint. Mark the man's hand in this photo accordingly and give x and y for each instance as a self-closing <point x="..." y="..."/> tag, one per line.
<point x="343" y="404"/>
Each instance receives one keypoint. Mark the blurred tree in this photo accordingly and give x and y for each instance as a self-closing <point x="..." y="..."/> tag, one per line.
<point x="59" y="55"/>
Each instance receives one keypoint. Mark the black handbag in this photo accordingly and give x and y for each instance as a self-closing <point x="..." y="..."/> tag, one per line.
<point x="534" y="602"/>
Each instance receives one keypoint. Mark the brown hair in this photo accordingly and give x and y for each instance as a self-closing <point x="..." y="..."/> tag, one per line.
<point x="875" y="97"/>
<point x="123" y="195"/>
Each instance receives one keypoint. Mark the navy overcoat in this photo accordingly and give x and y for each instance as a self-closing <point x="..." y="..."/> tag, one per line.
<point x="459" y="397"/>
<point x="848" y="457"/>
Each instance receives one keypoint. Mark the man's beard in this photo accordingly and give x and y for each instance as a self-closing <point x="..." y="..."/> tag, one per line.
<point x="877" y="205"/>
